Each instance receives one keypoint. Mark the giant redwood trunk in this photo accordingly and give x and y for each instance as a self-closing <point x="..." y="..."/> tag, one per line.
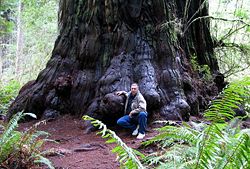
<point x="105" y="45"/>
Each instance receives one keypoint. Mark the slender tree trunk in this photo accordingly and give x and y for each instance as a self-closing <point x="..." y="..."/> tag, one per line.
<point x="1" y="59"/>
<point x="104" y="46"/>
<point x="19" y="42"/>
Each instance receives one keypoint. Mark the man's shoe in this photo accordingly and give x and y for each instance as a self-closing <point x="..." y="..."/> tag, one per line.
<point x="135" y="132"/>
<point x="140" y="136"/>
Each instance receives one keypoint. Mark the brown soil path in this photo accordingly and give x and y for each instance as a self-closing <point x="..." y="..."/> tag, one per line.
<point x="79" y="150"/>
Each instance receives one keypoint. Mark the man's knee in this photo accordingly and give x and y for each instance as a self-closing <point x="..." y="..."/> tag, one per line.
<point x="143" y="115"/>
<point x="120" y="121"/>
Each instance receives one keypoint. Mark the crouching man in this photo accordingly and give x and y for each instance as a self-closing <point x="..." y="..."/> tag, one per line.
<point x="135" y="117"/>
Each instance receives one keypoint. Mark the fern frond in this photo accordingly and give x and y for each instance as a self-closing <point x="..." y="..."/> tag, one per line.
<point x="171" y="134"/>
<point x="30" y="136"/>
<point x="126" y="155"/>
<point x="223" y="107"/>
<point x="180" y="143"/>
<point x="42" y="160"/>
<point x="211" y="140"/>
<point x="173" y="157"/>
<point x="15" y="143"/>
<point x="12" y="125"/>
<point x="9" y="138"/>
<point x="9" y="145"/>
<point x="188" y="165"/>
<point x="238" y="152"/>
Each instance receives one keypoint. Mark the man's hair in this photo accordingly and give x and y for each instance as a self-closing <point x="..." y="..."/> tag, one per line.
<point x="135" y="84"/>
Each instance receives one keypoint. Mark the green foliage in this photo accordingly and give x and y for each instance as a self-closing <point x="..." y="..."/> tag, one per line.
<point x="126" y="155"/>
<point x="21" y="149"/>
<point x="230" y="28"/>
<point x="241" y="13"/>
<point x="38" y="30"/>
<point x="223" y="107"/>
<point x="203" y="70"/>
<point x="7" y="93"/>
<point x="7" y="22"/>
<point x="221" y="144"/>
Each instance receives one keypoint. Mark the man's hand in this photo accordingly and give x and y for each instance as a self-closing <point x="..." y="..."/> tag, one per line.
<point x="130" y="114"/>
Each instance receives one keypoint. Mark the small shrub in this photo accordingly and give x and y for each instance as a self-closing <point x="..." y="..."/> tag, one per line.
<point x="22" y="149"/>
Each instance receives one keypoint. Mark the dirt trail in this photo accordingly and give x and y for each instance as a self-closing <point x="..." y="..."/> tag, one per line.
<point x="79" y="150"/>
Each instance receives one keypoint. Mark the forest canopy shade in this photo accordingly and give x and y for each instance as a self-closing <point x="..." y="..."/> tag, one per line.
<point x="104" y="46"/>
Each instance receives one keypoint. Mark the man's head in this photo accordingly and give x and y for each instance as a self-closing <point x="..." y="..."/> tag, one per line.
<point x="134" y="88"/>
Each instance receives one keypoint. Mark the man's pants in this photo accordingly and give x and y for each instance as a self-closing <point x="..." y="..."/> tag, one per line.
<point x="131" y="123"/>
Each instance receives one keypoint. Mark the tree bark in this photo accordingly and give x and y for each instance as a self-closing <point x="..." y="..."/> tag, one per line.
<point x="105" y="45"/>
<point x="1" y="59"/>
<point x="19" y="42"/>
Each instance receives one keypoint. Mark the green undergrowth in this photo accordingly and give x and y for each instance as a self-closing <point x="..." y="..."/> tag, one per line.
<point x="8" y="91"/>
<point x="218" y="142"/>
<point x="22" y="149"/>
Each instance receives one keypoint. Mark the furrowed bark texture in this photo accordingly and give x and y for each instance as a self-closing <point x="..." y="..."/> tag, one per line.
<point x="105" y="45"/>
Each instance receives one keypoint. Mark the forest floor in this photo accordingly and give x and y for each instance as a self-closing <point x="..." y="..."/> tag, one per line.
<point x="77" y="150"/>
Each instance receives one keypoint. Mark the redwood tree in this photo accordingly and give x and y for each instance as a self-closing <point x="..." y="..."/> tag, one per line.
<point x="105" y="45"/>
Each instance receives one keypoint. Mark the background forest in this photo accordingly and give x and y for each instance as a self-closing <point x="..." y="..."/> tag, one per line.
<point x="28" y="30"/>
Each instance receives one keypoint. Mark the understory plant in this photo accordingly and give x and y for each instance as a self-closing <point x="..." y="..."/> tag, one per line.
<point x="219" y="142"/>
<point x="22" y="149"/>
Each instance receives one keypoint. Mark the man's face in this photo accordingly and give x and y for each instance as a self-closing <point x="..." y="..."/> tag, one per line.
<point x="134" y="89"/>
